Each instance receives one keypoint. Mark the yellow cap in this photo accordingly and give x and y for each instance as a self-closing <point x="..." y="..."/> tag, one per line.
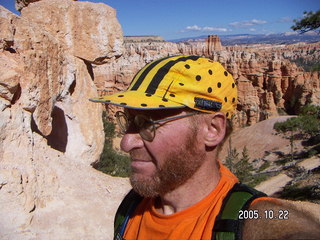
<point x="176" y="82"/>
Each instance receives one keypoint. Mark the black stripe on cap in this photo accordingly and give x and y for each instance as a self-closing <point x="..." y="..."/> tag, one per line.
<point x="156" y="80"/>
<point x="145" y="72"/>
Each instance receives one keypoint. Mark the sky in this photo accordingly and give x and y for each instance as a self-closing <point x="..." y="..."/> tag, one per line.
<point x="175" y="19"/>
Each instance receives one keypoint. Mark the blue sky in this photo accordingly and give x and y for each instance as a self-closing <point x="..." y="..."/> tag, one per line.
<point x="173" y="19"/>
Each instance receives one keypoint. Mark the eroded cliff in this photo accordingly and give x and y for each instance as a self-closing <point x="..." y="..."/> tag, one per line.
<point x="50" y="131"/>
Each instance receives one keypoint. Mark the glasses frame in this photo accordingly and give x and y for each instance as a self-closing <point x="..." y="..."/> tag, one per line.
<point x="134" y="120"/>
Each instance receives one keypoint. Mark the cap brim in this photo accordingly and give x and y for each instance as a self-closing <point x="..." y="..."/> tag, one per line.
<point x="138" y="100"/>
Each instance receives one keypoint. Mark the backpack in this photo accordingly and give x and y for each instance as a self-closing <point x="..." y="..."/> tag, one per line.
<point x="227" y="225"/>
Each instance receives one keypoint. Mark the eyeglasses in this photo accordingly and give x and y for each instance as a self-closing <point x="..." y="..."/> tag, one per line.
<point x="145" y="126"/>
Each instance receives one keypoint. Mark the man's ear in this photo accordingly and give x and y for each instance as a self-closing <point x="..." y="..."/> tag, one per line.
<point x="215" y="129"/>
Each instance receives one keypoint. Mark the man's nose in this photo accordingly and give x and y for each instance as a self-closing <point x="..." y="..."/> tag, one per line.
<point x="131" y="141"/>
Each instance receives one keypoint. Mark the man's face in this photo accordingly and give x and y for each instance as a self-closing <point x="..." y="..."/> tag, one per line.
<point x="173" y="156"/>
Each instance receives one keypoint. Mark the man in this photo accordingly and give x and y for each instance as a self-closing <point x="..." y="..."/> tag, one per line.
<point x="176" y="116"/>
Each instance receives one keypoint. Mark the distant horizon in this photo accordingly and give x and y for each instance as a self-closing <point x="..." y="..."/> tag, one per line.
<point x="182" y="19"/>
<point x="289" y="34"/>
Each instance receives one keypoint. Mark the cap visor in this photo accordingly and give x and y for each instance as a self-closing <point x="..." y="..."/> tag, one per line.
<point x="138" y="100"/>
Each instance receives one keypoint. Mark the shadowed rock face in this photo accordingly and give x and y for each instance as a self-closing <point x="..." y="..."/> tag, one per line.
<point x="50" y="131"/>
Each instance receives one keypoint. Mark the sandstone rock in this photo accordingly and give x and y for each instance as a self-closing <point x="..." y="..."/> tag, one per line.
<point x="10" y="74"/>
<point x="50" y="131"/>
<point x="77" y="24"/>
<point x="24" y="3"/>
<point x="213" y="44"/>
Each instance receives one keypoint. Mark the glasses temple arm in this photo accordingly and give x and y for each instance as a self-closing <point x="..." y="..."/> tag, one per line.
<point x="173" y="118"/>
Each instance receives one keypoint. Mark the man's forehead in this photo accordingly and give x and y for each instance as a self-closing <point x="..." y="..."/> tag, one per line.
<point x="156" y="113"/>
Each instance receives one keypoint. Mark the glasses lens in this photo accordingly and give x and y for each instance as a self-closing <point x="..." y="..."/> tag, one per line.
<point x="122" y="121"/>
<point x="145" y="126"/>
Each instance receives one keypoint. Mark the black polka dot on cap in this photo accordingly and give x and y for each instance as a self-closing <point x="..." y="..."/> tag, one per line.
<point x="164" y="99"/>
<point x="198" y="77"/>
<point x="233" y="85"/>
<point x="210" y="71"/>
<point x="226" y="99"/>
<point x="120" y="96"/>
<point x="187" y="66"/>
<point x="162" y="106"/>
<point x="219" y="84"/>
<point x="181" y="84"/>
<point x="172" y="95"/>
<point x="209" y="90"/>
<point x="143" y="105"/>
<point x="226" y="73"/>
<point x="148" y="95"/>
<point x="233" y="100"/>
<point x="124" y="104"/>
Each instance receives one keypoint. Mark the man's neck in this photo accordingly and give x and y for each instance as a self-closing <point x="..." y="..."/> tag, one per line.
<point x="200" y="185"/>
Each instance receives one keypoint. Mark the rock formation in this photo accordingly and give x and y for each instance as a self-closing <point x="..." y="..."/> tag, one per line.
<point x="50" y="132"/>
<point x="268" y="82"/>
<point x="213" y="44"/>
<point x="24" y="3"/>
<point x="139" y="39"/>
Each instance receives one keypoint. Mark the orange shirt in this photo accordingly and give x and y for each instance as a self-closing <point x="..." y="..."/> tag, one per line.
<point x="195" y="222"/>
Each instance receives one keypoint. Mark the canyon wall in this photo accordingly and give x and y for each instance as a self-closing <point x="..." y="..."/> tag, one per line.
<point x="50" y="131"/>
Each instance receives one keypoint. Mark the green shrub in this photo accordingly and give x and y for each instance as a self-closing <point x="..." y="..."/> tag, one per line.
<point x="307" y="122"/>
<point x="308" y="66"/>
<point x="264" y="166"/>
<point x="111" y="162"/>
<point x="294" y="192"/>
<point x="242" y="168"/>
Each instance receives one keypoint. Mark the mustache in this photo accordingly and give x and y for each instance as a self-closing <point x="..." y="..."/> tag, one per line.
<point x="141" y="155"/>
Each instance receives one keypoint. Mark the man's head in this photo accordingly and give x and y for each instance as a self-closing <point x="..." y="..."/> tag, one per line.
<point x="175" y="112"/>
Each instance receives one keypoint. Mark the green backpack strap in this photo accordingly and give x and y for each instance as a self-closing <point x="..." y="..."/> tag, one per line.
<point x="125" y="210"/>
<point x="227" y="225"/>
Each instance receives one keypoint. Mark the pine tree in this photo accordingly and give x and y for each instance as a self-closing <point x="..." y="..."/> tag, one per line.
<point x="243" y="167"/>
<point x="232" y="156"/>
<point x="309" y="22"/>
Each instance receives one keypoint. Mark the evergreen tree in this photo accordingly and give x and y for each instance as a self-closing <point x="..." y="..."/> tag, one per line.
<point x="307" y="123"/>
<point x="243" y="167"/>
<point x="310" y="21"/>
<point x="111" y="162"/>
<point x="232" y="156"/>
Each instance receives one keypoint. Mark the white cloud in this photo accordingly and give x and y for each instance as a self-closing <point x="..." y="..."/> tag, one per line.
<point x="247" y="23"/>
<point x="204" y="29"/>
<point x="255" y="21"/>
<point x="252" y="29"/>
<point x="215" y="29"/>
<point x="193" y="28"/>
<point x="285" y="19"/>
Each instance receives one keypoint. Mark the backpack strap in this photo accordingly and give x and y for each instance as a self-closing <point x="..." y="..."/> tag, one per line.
<point x="227" y="226"/>
<point x="125" y="210"/>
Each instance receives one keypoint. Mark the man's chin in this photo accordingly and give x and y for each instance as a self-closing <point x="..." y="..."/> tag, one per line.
<point x="145" y="186"/>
